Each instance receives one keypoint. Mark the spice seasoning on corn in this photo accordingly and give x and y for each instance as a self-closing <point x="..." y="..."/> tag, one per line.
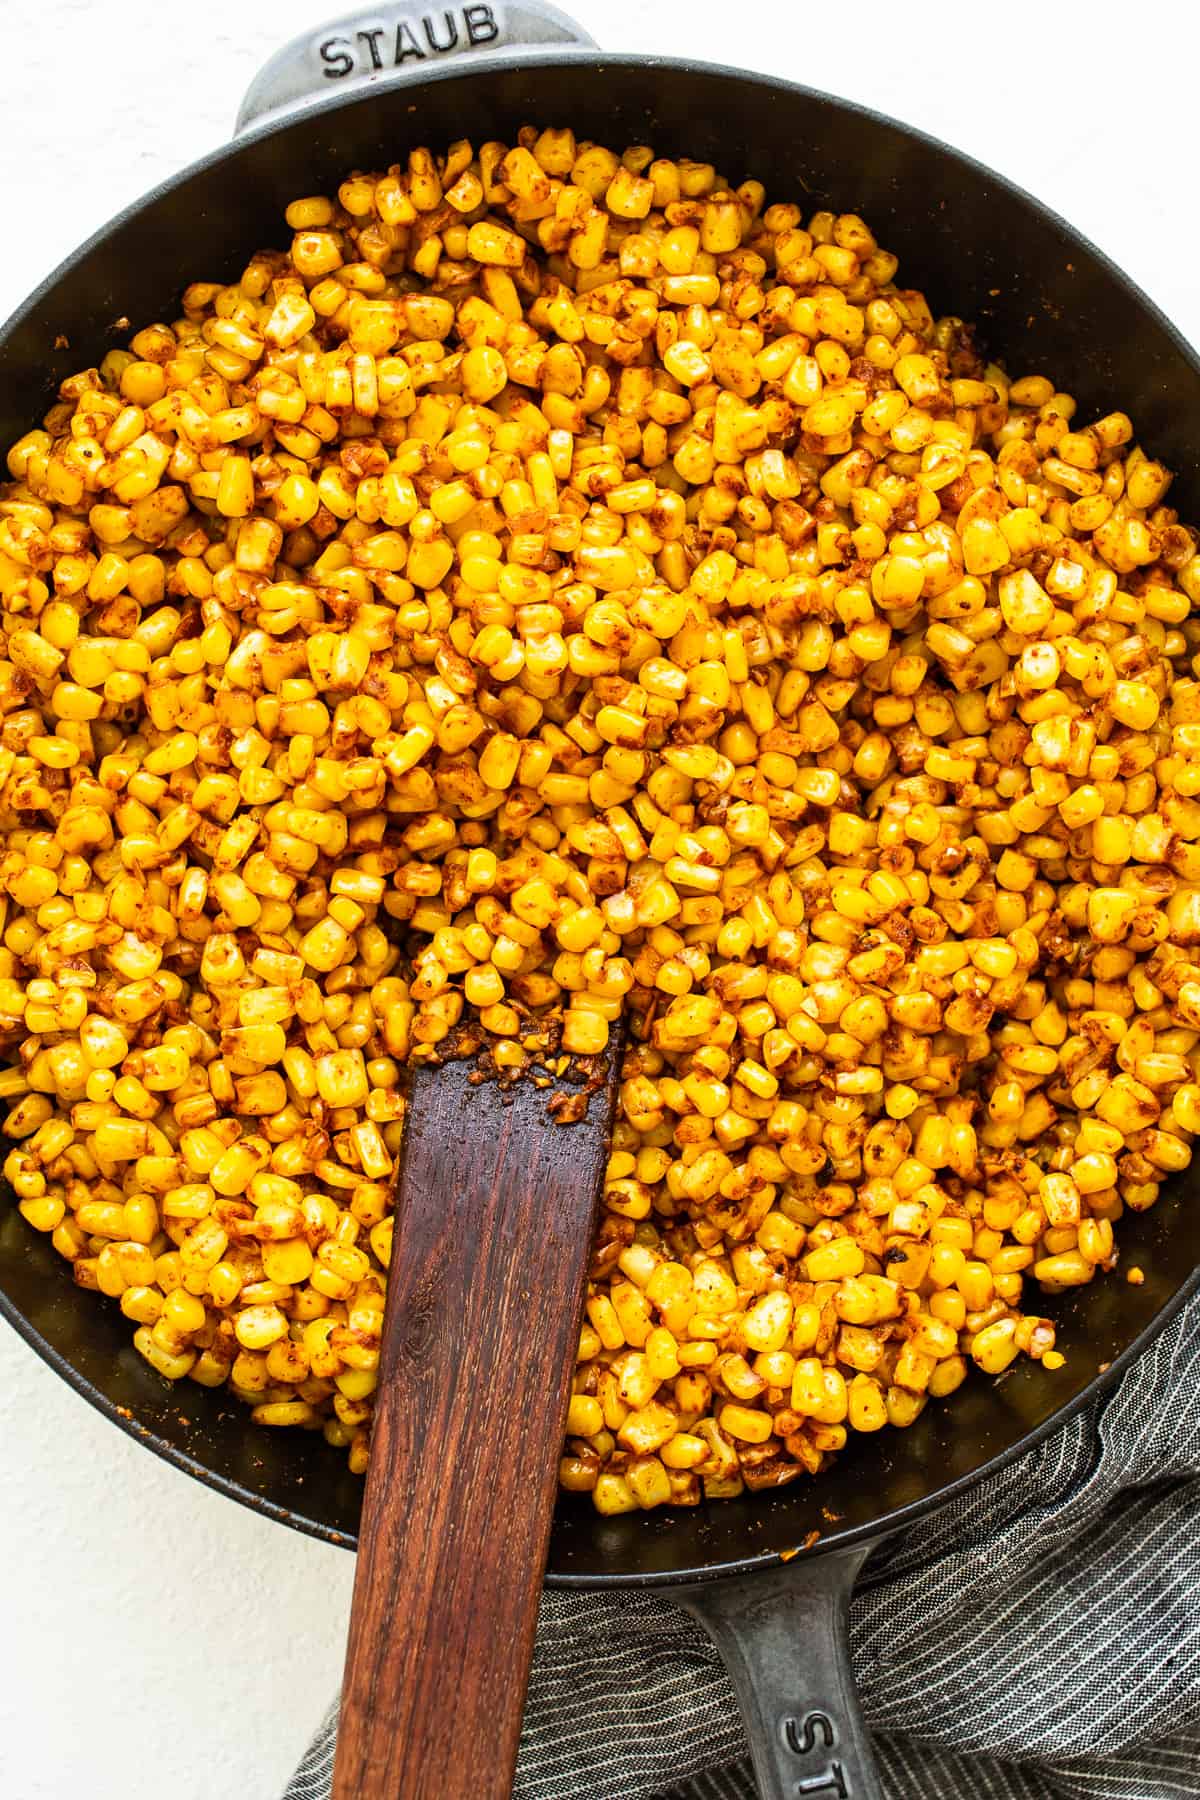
<point x="564" y="585"/>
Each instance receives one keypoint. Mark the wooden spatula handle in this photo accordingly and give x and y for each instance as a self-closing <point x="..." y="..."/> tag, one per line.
<point x="492" y="1235"/>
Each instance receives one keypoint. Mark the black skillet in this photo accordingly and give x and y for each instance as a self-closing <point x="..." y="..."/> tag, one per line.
<point x="359" y="94"/>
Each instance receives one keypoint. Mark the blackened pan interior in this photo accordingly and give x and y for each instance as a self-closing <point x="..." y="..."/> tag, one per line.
<point x="1044" y="301"/>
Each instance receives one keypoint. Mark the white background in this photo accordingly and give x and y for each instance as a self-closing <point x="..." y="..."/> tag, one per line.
<point x="159" y="1639"/>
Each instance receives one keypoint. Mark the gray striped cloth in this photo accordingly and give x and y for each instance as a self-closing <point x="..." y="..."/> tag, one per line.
<point x="1038" y="1639"/>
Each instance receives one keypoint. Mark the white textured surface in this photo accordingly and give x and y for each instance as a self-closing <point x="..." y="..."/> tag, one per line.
<point x="159" y="1639"/>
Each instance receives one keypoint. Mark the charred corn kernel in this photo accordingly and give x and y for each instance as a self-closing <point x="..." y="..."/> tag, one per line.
<point x="684" y="1451"/>
<point x="289" y="1263"/>
<point x="1068" y="1268"/>
<point x="835" y="1260"/>
<point x="584" y="1033"/>
<point x="662" y="1353"/>
<point x="142" y="1304"/>
<point x="585" y="1416"/>
<point x="173" y="1365"/>
<point x="995" y="1347"/>
<point x="745" y="1423"/>
<point x="768" y="1322"/>
<point x="103" y="1043"/>
<point x="605" y="1322"/>
<point x="612" y="1494"/>
<point x="866" y="1409"/>
<point x="257" y="1327"/>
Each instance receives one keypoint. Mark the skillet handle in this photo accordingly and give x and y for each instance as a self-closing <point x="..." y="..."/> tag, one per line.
<point x="782" y="1637"/>
<point x="386" y="43"/>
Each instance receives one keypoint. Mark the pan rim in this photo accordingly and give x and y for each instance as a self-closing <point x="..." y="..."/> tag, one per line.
<point x="869" y="1533"/>
<point x="551" y="56"/>
<point x="482" y="68"/>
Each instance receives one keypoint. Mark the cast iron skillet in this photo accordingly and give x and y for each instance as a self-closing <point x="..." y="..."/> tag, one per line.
<point x="1044" y="299"/>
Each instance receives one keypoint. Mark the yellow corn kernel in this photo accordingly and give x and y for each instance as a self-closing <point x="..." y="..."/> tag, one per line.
<point x="745" y="1423"/>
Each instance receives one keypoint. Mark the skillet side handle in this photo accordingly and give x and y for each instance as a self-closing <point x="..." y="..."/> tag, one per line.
<point x="782" y="1637"/>
<point x="391" y="41"/>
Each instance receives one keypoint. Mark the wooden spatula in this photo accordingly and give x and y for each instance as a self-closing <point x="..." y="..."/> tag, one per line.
<point x="494" y="1214"/>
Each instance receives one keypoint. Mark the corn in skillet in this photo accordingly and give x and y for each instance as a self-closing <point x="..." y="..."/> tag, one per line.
<point x="563" y="584"/>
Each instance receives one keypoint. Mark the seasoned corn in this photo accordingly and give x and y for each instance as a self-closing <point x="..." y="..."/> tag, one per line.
<point x="558" y="587"/>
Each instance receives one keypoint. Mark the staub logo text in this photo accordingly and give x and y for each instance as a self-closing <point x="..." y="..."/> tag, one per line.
<point x="811" y="1734"/>
<point x="413" y="37"/>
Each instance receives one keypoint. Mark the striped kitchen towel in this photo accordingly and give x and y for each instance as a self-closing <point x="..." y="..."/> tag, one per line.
<point x="1037" y="1639"/>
